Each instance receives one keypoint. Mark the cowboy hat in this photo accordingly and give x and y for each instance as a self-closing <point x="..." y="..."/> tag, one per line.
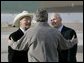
<point x="19" y="16"/>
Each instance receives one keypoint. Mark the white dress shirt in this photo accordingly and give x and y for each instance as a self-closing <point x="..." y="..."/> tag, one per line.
<point x="22" y="29"/>
<point x="60" y="28"/>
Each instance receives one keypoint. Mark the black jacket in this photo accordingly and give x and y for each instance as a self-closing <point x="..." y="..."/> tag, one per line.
<point x="68" y="55"/>
<point x="14" y="55"/>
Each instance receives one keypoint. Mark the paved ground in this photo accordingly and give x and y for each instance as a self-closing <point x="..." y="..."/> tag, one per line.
<point x="4" y="48"/>
<point x="4" y="57"/>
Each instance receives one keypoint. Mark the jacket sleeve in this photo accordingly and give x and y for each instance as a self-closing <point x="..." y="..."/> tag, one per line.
<point x="66" y="44"/>
<point x="21" y="44"/>
<point x="24" y="42"/>
<point x="10" y="42"/>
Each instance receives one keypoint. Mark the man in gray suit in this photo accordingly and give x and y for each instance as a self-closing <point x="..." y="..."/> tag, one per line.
<point x="43" y="40"/>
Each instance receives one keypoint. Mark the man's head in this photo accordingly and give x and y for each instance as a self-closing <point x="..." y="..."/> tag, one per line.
<point x="25" y="22"/>
<point x="56" y="20"/>
<point x="23" y="19"/>
<point x="41" y="15"/>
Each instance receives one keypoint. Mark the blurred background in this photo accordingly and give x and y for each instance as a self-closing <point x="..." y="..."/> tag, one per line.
<point x="70" y="11"/>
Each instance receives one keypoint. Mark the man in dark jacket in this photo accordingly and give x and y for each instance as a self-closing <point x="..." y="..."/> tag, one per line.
<point x="24" y="20"/>
<point x="70" y="54"/>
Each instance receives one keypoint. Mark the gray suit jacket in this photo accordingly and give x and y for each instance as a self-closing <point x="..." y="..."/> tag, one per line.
<point x="42" y="42"/>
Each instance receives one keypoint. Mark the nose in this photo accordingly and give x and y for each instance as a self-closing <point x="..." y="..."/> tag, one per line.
<point x="28" y="21"/>
<point x="54" y="20"/>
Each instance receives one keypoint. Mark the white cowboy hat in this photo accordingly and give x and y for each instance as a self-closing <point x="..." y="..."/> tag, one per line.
<point x="19" y="16"/>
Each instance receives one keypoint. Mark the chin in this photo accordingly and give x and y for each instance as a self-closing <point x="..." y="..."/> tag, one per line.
<point x="27" y="26"/>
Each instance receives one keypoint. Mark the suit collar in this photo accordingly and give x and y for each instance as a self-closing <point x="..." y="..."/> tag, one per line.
<point x="22" y="30"/>
<point x="60" y="28"/>
<point x="63" y="29"/>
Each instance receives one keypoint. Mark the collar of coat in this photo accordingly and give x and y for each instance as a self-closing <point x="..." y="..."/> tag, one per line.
<point x="42" y="24"/>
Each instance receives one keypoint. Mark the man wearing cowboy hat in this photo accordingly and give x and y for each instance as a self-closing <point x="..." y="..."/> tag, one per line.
<point x="24" y="21"/>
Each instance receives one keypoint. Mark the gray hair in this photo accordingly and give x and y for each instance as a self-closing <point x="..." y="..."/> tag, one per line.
<point x="41" y="15"/>
<point x="57" y="15"/>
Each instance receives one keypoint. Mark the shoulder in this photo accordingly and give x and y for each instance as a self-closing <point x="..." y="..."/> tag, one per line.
<point x="14" y="34"/>
<point x="69" y="29"/>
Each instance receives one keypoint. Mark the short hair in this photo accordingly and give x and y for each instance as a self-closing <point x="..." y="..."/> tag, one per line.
<point x="57" y="15"/>
<point x="41" y="15"/>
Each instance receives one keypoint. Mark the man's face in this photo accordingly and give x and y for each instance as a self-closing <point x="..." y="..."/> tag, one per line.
<point x="56" y="21"/>
<point x="25" y="22"/>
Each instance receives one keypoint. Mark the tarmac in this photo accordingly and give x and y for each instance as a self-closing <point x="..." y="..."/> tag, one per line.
<point x="4" y="47"/>
<point x="4" y="57"/>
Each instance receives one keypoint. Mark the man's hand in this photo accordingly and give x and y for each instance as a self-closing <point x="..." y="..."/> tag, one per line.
<point x="74" y="40"/>
<point x="10" y="42"/>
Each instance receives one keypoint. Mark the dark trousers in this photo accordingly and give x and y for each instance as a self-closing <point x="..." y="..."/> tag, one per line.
<point x="17" y="56"/>
<point x="68" y="55"/>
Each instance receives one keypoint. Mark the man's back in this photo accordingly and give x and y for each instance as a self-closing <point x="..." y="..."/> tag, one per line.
<point x="43" y="42"/>
<point x="44" y="47"/>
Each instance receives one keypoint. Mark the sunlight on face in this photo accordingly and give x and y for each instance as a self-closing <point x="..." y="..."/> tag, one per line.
<point x="56" y="21"/>
<point x="25" y="22"/>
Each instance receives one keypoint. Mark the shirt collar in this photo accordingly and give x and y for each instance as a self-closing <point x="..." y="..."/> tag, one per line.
<point x="22" y="29"/>
<point x="60" y="28"/>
